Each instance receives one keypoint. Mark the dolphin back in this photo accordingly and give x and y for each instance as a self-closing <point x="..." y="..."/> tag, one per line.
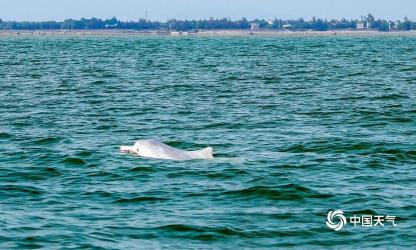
<point x="155" y="149"/>
<point x="206" y="153"/>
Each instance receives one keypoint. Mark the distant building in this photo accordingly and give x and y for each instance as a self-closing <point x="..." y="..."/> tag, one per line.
<point x="181" y="33"/>
<point x="111" y="25"/>
<point x="394" y="25"/>
<point x="163" y="31"/>
<point x="255" y="26"/>
<point x="390" y="25"/>
<point x="360" y="25"/>
<point x="287" y="26"/>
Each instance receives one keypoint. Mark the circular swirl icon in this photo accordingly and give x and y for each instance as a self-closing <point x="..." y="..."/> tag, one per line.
<point x="337" y="214"/>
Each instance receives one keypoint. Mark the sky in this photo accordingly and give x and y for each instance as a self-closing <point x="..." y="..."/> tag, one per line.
<point x="162" y="10"/>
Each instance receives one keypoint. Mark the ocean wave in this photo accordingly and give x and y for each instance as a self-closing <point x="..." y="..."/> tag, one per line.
<point x="16" y="190"/>
<point x="4" y="135"/>
<point x="140" y="199"/>
<point x="47" y="140"/>
<point x="201" y="232"/>
<point x="330" y="146"/>
<point x="282" y="192"/>
<point x="73" y="161"/>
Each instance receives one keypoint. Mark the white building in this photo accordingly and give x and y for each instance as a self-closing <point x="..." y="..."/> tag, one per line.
<point x="255" y="26"/>
<point x="111" y="25"/>
<point x="394" y="25"/>
<point x="360" y="25"/>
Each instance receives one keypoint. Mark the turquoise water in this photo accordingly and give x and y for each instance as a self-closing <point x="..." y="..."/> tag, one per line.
<point x="300" y="126"/>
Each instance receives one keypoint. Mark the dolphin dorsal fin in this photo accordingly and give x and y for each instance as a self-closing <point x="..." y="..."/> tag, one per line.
<point x="205" y="153"/>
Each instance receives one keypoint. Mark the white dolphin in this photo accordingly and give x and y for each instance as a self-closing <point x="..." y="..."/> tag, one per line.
<point x="155" y="149"/>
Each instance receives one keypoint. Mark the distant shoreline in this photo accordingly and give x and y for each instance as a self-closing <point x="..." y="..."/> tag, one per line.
<point x="227" y="32"/>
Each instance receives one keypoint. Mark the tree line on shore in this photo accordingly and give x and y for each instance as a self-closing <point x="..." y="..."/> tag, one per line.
<point x="366" y="22"/>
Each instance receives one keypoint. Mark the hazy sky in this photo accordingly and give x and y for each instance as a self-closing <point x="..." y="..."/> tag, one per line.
<point x="37" y="10"/>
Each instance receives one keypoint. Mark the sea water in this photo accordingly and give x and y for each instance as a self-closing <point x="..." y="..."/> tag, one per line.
<point x="300" y="126"/>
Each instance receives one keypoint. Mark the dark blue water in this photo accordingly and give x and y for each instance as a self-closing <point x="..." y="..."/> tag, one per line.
<point x="300" y="126"/>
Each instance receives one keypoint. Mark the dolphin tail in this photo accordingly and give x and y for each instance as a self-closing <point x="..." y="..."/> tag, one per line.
<point x="206" y="153"/>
